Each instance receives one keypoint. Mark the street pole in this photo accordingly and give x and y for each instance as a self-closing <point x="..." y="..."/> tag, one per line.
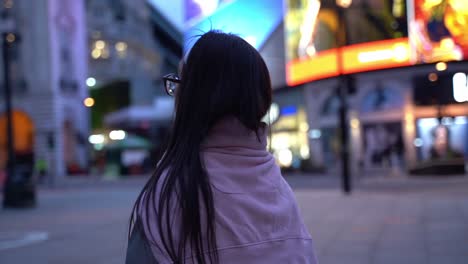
<point x="344" y="133"/>
<point x="7" y="40"/>
<point x="343" y="91"/>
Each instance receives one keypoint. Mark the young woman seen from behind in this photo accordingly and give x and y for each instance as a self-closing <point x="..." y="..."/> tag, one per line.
<point x="217" y="195"/>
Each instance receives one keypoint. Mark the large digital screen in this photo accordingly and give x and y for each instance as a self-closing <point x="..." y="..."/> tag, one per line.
<point x="439" y="30"/>
<point x="443" y="139"/>
<point x="253" y="20"/>
<point x="197" y="10"/>
<point x="379" y="34"/>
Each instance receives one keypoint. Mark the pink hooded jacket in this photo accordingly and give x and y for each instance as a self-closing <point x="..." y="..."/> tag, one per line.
<point x="257" y="218"/>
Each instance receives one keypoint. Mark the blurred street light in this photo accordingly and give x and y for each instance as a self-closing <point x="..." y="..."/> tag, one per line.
<point x="100" y="50"/>
<point x="88" y="102"/>
<point x="285" y="157"/>
<point x="418" y="142"/>
<point x="432" y="77"/>
<point x="10" y="37"/>
<point x="96" y="139"/>
<point x="441" y="66"/>
<point x="117" y="135"/>
<point x="91" y="82"/>
<point x="100" y="44"/>
<point x="315" y="133"/>
<point x="121" y="46"/>
<point x="344" y="3"/>
<point x="355" y="123"/>
<point x="96" y="53"/>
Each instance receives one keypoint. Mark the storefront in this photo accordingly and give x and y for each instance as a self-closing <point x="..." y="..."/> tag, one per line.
<point x="395" y="122"/>
<point x="408" y="60"/>
<point x="288" y="131"/>
<point x="441" y="104"/>
<point x="289" y="142"/>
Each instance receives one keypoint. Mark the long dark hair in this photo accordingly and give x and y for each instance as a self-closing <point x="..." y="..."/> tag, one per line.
<point x="223" y="76"/>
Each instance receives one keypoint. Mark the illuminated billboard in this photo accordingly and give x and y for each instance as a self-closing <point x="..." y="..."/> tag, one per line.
<point x="197" y="10"/>
<point x="439" y="30"/>
<point x="253" y="20"/>
<point x="376" y="32"/>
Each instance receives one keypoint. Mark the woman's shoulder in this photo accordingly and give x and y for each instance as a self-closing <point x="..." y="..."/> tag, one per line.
<point x="237" y="174"/>
<point x="285" y="250"/>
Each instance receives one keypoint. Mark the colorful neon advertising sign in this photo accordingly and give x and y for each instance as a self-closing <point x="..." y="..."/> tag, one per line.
<point x="381" y="34"/>
<point x="252" y="20"/>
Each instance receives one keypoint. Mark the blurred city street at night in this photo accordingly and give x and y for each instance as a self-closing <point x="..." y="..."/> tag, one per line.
<point x="368" y="120"/>
<point x="387" y="220"/>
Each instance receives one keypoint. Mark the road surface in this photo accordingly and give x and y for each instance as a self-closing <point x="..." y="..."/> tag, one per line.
<point x="386" y="220"/>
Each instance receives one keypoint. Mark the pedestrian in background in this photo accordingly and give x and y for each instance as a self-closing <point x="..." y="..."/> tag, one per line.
<point x="217" y="195"/>
<point x="41" y="170"/>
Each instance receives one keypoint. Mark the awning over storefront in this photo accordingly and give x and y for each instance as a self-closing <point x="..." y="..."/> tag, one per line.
<point x="161" y="110"/>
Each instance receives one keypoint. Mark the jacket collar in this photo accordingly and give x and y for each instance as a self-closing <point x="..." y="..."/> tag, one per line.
<point x="230" y="132"/>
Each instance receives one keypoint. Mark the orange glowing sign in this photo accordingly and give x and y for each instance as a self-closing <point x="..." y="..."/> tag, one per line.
<point x="355" y="58"/>
<point x="376" y="55"/>
<point x="323" y="65"/>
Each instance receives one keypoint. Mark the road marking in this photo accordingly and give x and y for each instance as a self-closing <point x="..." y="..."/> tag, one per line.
<point x="10" y="240"/>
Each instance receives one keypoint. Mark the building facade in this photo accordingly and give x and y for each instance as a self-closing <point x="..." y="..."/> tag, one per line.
<point x="48" y="82"/>
<point x="393" y="128"/>
<point x="407" y="62"/>
<point x="130" y="47"/>
<point x="121" y="47"/>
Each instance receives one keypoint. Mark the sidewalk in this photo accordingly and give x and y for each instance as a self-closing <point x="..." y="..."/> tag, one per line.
<point x="86" y="181"/>
<point x="390" y="221"/>
<point x="297" y="180"/>
<point x="421" y="220"/>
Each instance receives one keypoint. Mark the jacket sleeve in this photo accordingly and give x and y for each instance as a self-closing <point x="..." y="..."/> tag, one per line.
<point x="138" y="249"/>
